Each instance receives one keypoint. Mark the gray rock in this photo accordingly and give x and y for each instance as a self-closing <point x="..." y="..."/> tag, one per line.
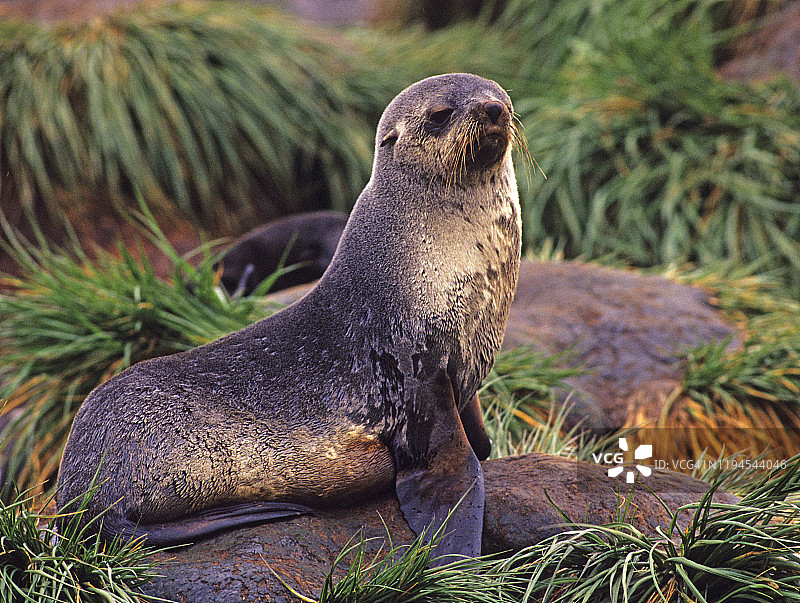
<point x="629" y="332"/>
<point x="234" y="566"/>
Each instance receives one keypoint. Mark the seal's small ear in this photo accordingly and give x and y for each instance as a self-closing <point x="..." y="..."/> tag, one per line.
<point x="390" y="137"/>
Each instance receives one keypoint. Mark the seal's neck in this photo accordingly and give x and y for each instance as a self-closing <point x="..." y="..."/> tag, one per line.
<point x="412" y="248"/>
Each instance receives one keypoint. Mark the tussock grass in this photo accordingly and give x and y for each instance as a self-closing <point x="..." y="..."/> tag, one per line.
<point x="649" y="155"/>
<point x="228" y="111"/>
<point x="521" y="414"/>
<point x="517" y="398"/>
<point x="220" y="108"/>
<point x="749" y="551"/>
<point x="39" y="564"/>
<point x="69" y="323"/>
<point x="746" y="398"/>
<point x="403" y="574"/>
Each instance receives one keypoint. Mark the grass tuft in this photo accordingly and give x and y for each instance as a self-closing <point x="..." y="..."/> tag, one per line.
<point x="403" y="574"/>
<point x="749" y="551"/>
<point x="38" y="563"/>
<point x="744" y="398"/>
<point x="219" y="108"/>
<point x="227" y="112"/>
<point x="648" y="154"/>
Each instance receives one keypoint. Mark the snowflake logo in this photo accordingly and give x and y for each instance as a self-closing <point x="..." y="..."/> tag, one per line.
<point x="644" y="451"/>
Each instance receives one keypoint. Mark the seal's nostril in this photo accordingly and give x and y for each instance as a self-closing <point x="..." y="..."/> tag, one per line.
<point x="493" y="110"/>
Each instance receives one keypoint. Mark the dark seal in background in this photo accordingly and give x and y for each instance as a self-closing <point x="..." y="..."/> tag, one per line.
<point x="305" y="241"/>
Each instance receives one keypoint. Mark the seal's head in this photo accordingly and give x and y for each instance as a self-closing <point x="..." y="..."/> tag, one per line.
<point x="449" y="126"/>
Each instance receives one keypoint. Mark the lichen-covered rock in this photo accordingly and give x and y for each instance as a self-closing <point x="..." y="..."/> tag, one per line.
<point x="235" y="566"/>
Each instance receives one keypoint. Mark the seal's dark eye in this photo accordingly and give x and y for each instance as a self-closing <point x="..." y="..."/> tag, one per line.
<point x="440" y="116"/>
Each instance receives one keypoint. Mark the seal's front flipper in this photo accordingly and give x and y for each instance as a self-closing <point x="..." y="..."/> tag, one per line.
<point x="438" y="473"/>
<point x="203" y="524"/>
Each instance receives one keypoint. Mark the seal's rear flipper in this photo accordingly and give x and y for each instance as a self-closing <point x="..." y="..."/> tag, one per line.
<point x="203" y="524"/>
<point x="438" y="473"/>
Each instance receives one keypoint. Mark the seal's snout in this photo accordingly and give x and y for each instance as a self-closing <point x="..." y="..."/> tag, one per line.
<point x="494" y="110"/>
<point x="486" y="138"/>
<point x="493" y="115"/>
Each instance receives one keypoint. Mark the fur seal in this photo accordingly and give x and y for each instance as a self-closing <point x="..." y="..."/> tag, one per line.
<point x="307" y="241"/>
<point x="368" y="380"/>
